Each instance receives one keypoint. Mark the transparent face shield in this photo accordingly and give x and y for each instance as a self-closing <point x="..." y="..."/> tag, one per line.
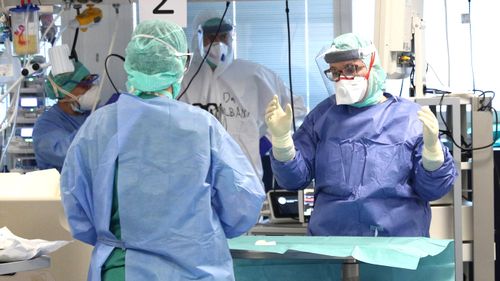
<point x="225" y="35"/>
<point x="322" y="66"/>
<point x="82" y="102"/>
<point x="329" y="54"/>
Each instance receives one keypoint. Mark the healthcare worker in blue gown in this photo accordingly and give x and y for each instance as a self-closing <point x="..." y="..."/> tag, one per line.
<point x="157" y="185"/>
<point x="55" y="129"/>
<point x="376" y="159"/>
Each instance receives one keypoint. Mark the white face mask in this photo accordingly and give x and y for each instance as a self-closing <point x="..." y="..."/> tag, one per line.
<point x="218" y="53"/>
<point x="350" y="91"/>
<point x="87" y="100"/>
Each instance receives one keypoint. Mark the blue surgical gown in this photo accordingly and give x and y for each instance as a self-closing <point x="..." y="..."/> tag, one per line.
<point x="52" y="134"/>
<point x="183" y="186"/>
<point x="367" y="167"/>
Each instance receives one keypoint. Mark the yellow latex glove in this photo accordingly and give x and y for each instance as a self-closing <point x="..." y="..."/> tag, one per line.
<point x="432" y="153"/>
<point x="279" y="123"/>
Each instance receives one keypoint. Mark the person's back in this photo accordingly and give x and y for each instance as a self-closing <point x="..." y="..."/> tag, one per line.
<point x="169" y="218"/>
<point x="157" y="186"/>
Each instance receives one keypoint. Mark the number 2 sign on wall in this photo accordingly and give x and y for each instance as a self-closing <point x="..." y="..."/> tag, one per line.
<point x="171" y="10"/>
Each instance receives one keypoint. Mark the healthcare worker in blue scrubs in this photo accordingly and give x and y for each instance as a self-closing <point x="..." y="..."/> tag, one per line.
<point x="154" y="184"/>
<point x="376" y="159"/>
<point x="55" y="129"/>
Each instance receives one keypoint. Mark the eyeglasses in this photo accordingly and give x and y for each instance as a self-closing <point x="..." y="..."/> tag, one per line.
<point x="349" y="72"/>
<point x="86" y="81"/>
<point x="221" y="37"/>
<point x="89" y="79"/>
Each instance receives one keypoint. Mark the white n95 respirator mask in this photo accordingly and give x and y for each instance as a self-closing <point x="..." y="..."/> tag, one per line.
<point x="350" y="91"/>
<point x="218" y="53"/>
<point x="87" y="100"/>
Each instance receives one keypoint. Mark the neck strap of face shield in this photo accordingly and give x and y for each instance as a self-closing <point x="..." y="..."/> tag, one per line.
<point x="372" y="61"/>
<point x="58" y="89"/>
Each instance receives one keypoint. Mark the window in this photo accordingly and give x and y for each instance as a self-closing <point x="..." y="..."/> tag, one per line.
<point x="261" y="36"/>
<point x="460" y="72"/>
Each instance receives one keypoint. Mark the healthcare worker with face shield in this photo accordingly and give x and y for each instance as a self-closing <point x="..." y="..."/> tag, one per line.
<point x="54" y="130"/>
<point x="235" y="91"/>
<point x="157" y="185"/>
<point x="376" y="159"/>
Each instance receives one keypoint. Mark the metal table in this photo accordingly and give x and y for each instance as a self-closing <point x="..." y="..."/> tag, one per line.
<point x="26" y="265"/>
<point x="350" y="266"/>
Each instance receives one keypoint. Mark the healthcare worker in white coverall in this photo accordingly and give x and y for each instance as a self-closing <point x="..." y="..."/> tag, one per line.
<point x="235" y="91"/>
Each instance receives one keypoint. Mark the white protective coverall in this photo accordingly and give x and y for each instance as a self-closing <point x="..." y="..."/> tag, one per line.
<point x="237" y="93"/>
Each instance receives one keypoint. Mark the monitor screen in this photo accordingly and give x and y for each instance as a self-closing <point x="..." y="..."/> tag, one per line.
<point x="29" y="102"/>
<point x="306" y="204"/>
<point x="27" y="132"/>
<point x="284" y="204"/>
<point x="308" y="201"/>
<point x="26" y="163"/>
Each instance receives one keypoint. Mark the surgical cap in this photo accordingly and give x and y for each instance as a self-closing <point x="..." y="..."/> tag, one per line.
<point x="211" y="26"/>
<point x="376" y="81"/>
<point x="152" y="65"/>
<point x="67" y="81"/>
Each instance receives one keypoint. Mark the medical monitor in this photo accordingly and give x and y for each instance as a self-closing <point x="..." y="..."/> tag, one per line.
<point x="28" y="102"/>
<point x="26" y="133"/>
<point x="306" y="204"/>
<point x="284" y="205"/>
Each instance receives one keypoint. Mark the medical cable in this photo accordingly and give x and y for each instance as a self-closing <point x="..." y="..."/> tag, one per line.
<point x="73" y="53"/>
<point x="488" y="107"/>
<point x="287" y="11"/>
<point x="10" y="118"/>
<point x="447" y="41"/>
<point x="402" y="82"/>
<point x="107" y="72"/>
<point x="207" y="52"/>
<point x="28" y="61"/>
<point x="429" y="66"/>
<point x="110" y="51"/>
<point x="6" y="122"/>
<point x="471" y="59"/>
<point x="13" y="122"/>
<point x="412" y="77"/>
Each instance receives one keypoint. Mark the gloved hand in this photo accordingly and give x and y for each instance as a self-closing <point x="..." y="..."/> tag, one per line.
<point x="279" y="123"/>
<point x="432" y="153"/>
